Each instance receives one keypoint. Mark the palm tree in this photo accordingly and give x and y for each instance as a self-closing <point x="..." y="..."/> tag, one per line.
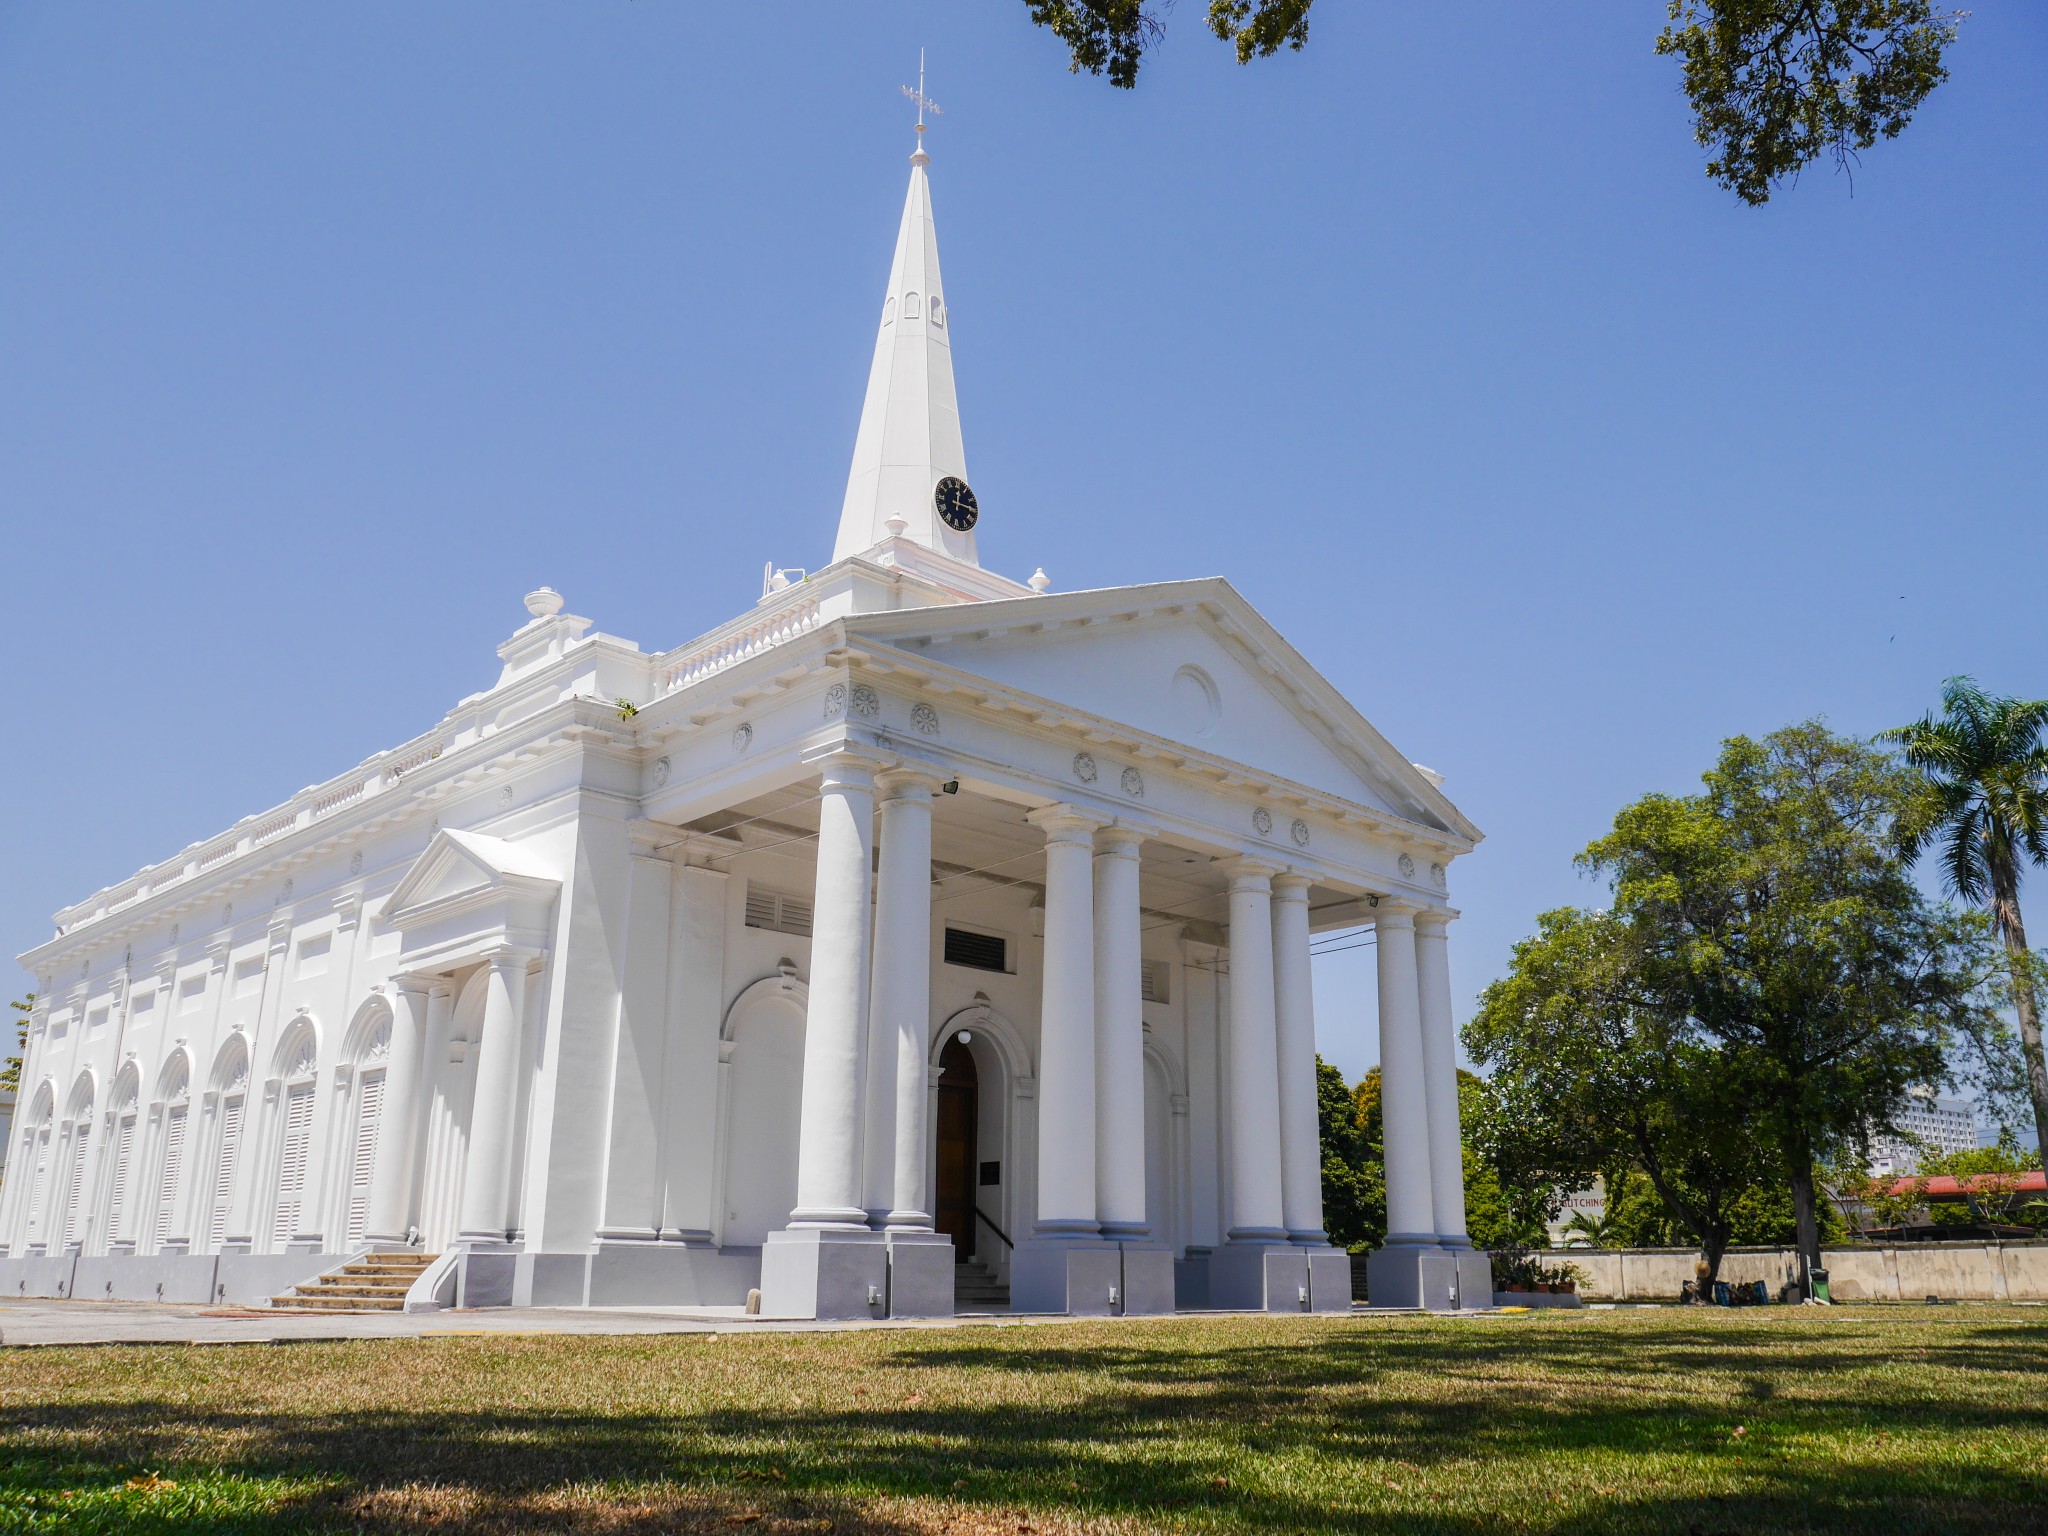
<point x="1985" y="801"/>
<point x="1600" y="1231"/>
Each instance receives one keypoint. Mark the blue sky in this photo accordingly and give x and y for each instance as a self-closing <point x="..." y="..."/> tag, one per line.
<point x="327" y="331"/>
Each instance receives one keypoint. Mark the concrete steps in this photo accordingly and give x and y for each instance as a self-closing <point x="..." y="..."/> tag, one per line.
<point x="976" y="1289"/>
<point x="377" y="1282"/>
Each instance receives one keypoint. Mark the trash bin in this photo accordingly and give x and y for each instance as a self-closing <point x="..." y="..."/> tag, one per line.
<point x="1818" y="1281"/>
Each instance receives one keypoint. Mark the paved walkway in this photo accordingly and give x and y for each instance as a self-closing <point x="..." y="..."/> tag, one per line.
<point x="138" y="1322"/>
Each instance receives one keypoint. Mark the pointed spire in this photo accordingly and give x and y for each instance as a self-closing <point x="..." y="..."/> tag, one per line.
<point x="909" y="437"/>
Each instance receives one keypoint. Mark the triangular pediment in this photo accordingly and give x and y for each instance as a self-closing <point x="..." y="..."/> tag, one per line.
<point x="1191" y="662"/>
<point x="459" y="869"/>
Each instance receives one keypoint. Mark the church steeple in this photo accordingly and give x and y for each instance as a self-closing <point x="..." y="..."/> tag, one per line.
<point x="909" y="438"/>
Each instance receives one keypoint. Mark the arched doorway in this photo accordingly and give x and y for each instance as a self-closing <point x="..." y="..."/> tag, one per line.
<point x="763" y="1110"/>
<point x="959" y="1137"/>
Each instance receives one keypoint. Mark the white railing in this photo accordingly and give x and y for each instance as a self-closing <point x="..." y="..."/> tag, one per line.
<point x="276" y="826"/>
<point x="348" y="794"/>
<point x="412" y="760"/>
<point x="734" y="643"/>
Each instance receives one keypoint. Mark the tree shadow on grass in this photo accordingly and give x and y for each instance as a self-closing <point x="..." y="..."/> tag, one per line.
<point x="1257" y="1436"/>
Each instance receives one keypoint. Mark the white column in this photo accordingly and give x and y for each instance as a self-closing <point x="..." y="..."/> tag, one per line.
<point x="1119" y="1037"/>
<point x="487" y="1168"/>
<point x="899" y="1013"/>
<point x="391" y="1178"/>
<point x="828" y="1169"/>
<point x="1404" y="1115"/>
<point x="1256" y="1210"/>
<point x="1440" y="1070"/>
<point x="1301" y="1151"/>
<point x="1066" y="1028"/>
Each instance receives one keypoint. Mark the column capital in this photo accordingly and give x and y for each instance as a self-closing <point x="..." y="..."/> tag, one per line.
<point x="1249" y="874"/>
<point x="511" y="957"/>
<point x="1118" y="842"/>
<point x="1065" y="824"/>
<point x="1394" y="913"/>
<point x="849" y="769"/>
<point x="1435" y="919"/>
<point x="907" y="783"/>
<point x="416" y="983"/>
<point x="1291" y="887"/>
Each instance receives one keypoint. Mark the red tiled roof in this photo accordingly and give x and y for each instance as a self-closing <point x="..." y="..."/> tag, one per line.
<point x="1948" y="1187"/>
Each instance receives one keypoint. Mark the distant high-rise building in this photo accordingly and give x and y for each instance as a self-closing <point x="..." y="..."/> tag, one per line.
<point x="1937" y="1125"/>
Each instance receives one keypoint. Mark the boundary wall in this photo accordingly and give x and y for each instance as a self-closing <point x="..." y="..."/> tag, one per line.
<point x="1974" y="1271"/>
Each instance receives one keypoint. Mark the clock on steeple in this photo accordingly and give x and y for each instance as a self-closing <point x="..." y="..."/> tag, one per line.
<point x="956" y="505"/>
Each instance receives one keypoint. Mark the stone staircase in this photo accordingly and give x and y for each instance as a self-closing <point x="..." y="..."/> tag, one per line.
<point x="377" y="1282"/>
<point x="976" y="1289"/>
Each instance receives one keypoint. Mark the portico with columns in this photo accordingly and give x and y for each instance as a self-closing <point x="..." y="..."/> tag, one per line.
<point x="919" y="938"/>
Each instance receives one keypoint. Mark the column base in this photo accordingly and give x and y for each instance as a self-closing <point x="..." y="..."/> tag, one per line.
<point x="824" y="1273"/>
<point x="1082" y="1277"/>
<point x="1416" y="1273"/>
<point x="920" y="1274"/>
<point x="1266" y="1277"/>
<point x="1147" y="1289"/>
<point x="1475" y="1277"/>
<point x="486" y="1273"/>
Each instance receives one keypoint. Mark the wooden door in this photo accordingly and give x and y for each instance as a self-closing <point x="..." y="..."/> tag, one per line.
<point x="953" y="1201"/>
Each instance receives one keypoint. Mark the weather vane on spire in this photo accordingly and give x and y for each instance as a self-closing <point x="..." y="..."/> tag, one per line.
<point x="924" y="103"/>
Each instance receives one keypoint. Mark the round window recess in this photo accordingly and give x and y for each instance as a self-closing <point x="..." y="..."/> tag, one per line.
<point x="1196" y="705"/>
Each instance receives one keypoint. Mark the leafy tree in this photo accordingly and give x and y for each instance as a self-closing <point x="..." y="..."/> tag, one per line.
<point x="10" y="1067"/>
<point x="1774" y="84"/>
<point x="1772" y="926"/>
<point x="1496" y="1215"/>
<point x="1588" y="1081"/>
<point x="1354" y="1199"/>
<point x="1982" y="801"/>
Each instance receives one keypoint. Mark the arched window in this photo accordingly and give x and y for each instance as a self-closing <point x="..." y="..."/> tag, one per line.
<point x="125" y="1097"/>
<point x="298" y="1057"/>
<point x="889" y="310"/>
<point x="174" y="1093"/>
<point x="72" y="1224"/>
<point x="368" y="1048"/>
<point x="910" y="310"/>
<point x="938" y="311"/>
<point x="35" y="1160"/>
<point x="231" y="1083"/>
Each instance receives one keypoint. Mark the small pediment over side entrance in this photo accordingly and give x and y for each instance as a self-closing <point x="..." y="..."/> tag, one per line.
<point x="469" y="890"/>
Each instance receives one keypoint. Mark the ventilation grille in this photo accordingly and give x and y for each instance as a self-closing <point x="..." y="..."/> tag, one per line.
<point x="980" y="951"/>
<point x="1155" y="984"/>
<point x="778" y="912"/>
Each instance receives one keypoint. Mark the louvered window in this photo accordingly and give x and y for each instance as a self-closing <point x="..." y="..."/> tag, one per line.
<point x="39" y="1186"/>
<point x="1155" y="982"/>
<point x="224" y="1171"/>
<point x="778" y="911"/>
<point x="291" y="1166"/>
<point x="174" y="1162"/>
<point x="978" y="951"/>
<point x="117" y="1199"/>
<point x="369" y="1121"/>
<point x="74" y="1218"/>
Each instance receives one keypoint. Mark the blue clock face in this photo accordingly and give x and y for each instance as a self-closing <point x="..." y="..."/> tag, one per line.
<point x="955" y="504"/>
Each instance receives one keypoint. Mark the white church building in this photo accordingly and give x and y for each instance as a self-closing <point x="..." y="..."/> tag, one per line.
<point x="917" y="922"/>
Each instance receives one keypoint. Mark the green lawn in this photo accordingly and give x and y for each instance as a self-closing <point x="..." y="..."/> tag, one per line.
<point x="1858" y="1419"/>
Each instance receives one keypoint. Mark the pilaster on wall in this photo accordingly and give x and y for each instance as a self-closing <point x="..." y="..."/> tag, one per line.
<point x="696" y="990"/>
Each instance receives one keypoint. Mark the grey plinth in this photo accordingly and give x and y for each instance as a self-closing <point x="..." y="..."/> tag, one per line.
<point x="824" y="1273"/>
<point x="1259" y="1277"/>
<point x="920" y="1274"/>
<point x="1147" y="1286"/>
<point x="1329" y="1280"/>
<point x="1475" y="1278"/>
<point x="1411" y="1275"/>
<point x="1082" y="1277"/>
